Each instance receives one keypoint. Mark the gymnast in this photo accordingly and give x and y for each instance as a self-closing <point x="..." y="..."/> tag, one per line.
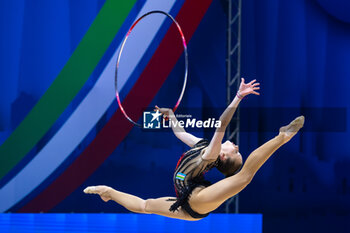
<point x="196" y="197"/>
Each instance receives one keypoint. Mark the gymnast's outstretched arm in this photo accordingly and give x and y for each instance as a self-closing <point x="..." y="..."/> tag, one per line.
<point x="214" y="148"/>
<point x="178" y="130"/>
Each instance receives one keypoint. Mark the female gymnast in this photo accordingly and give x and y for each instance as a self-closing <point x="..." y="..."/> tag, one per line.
<point x="195" y="197"/>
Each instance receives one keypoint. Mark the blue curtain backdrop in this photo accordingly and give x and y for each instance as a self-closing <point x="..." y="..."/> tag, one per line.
<point x="300" y="51"/>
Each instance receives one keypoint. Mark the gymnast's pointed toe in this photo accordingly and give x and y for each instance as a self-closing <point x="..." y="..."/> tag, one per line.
<point x="293" y="128"/>
<point x="90" y="190"/>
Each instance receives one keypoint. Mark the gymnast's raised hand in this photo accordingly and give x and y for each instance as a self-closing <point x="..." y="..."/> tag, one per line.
<point x="248" y="88"/>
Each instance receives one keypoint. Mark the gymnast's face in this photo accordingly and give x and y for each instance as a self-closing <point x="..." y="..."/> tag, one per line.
<point x="230" y="151"/>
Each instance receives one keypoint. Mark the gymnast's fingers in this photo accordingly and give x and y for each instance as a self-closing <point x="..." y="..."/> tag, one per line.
<point x="251" y="82"/>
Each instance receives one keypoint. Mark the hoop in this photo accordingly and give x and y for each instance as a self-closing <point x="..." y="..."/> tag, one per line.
<point x="121" y="50"/>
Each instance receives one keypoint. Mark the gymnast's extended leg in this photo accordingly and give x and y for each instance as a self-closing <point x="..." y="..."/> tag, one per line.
<point x="213" y="196"/>
<point x="135" y="204"/>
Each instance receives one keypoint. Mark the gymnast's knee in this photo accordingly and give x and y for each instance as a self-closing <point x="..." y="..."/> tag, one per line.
<point x="147" y="206"/>
<point x="245" y="177"/>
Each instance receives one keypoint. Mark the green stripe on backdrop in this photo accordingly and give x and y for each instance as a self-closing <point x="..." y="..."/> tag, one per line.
<point x="67" y="84"/>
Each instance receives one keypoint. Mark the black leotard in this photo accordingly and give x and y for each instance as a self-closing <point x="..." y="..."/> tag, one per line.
<point x="189" y="174"/>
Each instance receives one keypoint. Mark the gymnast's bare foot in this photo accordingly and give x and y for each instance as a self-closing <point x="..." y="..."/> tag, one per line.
<point x="292" y="129"/>
<point x="102" y="190"/>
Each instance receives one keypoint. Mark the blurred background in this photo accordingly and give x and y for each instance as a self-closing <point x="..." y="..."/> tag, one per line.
<point x="61" y="128"/>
